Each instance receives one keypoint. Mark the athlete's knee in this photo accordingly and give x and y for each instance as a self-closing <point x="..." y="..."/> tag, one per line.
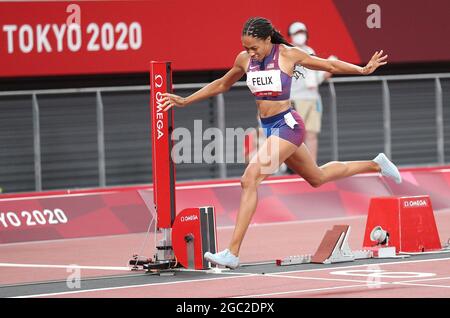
<point x="315" y="183"/>
<point x="317" y="180"/>
<point x="248" y="181"/>
<point x="251" y="178"/>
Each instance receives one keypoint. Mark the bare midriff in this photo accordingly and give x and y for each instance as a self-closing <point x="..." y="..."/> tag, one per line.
<point x="268" y="108"/>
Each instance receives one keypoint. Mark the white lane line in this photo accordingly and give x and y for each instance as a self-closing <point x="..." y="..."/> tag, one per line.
<point x="231" y="184"/>
<point x="56" y="196"/>
<point x="367" y="285"/>
<point x="322" y="278"/>
<point x="307" y="290"/>
<point x="124" y="268"/>
<point x="421" y="285"/>
<point x="240" y="275"/>
<point x="109" y="268"/>
<point x="424" y="280"/>
<point x="115" y="268"/>
<point x="353" y="266"/>
<point x="130" y="286"/>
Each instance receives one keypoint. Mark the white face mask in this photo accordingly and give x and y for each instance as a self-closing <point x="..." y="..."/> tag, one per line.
<point x="299" y="39"/>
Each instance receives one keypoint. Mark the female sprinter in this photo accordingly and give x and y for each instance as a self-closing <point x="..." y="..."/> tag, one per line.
<point x="268" y="61"/>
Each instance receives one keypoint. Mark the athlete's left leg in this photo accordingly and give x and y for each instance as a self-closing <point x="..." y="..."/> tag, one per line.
<point x="302" y="163"/>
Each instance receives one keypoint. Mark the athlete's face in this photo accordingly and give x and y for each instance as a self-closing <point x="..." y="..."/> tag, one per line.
<point x="257" y="48"/>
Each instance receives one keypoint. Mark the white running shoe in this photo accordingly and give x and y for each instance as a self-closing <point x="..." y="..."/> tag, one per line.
<point x="224" y="258"/>
<point x="388" y="169"/>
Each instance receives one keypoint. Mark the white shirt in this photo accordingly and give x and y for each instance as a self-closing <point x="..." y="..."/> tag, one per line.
<point x="306" y="87"/>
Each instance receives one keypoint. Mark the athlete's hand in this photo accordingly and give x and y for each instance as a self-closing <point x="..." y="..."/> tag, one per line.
<point x="173" y="100"/>
<point x="375" y="62"/>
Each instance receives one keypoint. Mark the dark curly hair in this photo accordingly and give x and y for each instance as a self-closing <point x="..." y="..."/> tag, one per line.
<point x="262" y="28"/>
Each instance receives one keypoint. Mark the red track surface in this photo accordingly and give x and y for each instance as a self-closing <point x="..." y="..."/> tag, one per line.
<point x="314" y="283"/>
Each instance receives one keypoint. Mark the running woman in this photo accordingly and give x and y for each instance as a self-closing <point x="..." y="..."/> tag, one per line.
<point x="269" y="62"/>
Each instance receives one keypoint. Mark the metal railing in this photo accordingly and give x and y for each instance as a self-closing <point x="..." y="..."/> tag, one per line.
<point x="221" y="113"/>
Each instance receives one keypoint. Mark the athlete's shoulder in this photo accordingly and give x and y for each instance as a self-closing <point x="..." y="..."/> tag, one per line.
<point x="242" y="59"/>
<point x="243" y="55"/>
<point x="291" y="51"/>
<point x="286" y="49"/>
<point x="309" y="50"/>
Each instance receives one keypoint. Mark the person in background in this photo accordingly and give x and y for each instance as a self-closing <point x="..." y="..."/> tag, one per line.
<point x="305" y="97"/>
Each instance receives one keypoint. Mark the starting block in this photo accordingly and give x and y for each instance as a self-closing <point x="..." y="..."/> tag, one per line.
<point x="334" y="248"/>
<point x="407" y="222"/>
<point x="294" y="260"/>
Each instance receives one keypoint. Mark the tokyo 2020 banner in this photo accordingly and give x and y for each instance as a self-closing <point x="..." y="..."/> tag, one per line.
<point x="100" y="37"/>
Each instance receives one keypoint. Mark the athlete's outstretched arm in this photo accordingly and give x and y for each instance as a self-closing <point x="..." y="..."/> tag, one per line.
<point x="335" y="66"/>
<point x="216" y="87"/>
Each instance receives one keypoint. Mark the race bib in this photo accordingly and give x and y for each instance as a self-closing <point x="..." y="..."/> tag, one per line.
<point x="264" y="82"/>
